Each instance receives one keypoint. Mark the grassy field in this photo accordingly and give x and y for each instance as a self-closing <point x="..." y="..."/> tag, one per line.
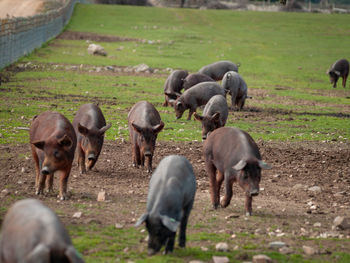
<point x="283" y="57"/>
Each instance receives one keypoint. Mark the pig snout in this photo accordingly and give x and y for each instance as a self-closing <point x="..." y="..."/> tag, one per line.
<point x="204" y="137"/>
<point x="254" y="192"/>
<point x="91" y="157"/>
<point x="148" y="153"/>
<point x="45" y="170"/>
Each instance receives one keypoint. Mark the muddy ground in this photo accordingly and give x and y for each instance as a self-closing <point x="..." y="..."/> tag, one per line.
<point x="284" y="210"/>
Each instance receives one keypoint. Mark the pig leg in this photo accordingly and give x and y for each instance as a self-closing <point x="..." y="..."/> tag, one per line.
<point x="81" y="161"/>
<point x="63" y="183"/>
<point x="211" y="171"/>
<point x="49" y="183"/>
<point x="228" y="188"/>
<point x="248" y="204"/>
<point x="190" y="113"/>
<point x="136" y="156"/>
<point x="241" y="103"/>
<point x="165" y="104"/>
<point x="170" y="244"/>
<point x="344" y="80"/>
<point x="219" y="180"/>
<point x="40" y="254"/>
<point x="42" y="179"/>
<point x="37" y="171"/>
<point x="233" y="101"/>
<point x="183" y="226"/>
<point x="149" y="164"/>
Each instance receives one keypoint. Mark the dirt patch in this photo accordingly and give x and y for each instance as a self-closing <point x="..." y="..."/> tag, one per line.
<point x="70" y="35"/>
<point x="282" y="207"/>
<point x="20" y="8"/>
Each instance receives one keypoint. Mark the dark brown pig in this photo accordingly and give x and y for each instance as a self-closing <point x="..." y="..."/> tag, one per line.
<point x="236" y="157"/>
<point x="218" y="69"/>
<point x="53" y="142"/>
<point x="195" y="78"/>
<point x="33" y="233"/>
<point x="196" y="96"/>
<point x="173" y="86"/>
<point x="339" y="69"/>
<point x="90" y="127"/>
<point x="214" y="115"/>
<point x="144" y="126"/>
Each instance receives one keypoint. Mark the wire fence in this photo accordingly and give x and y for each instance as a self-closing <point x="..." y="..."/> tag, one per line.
<point x="20" y="36"/>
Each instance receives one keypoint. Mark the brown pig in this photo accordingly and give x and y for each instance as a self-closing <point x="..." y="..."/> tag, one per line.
<point x="90" y="127"/>
<point x="53" y="142"/>
<point x="33" y="233"/>
<point x="236" y="157"/>
<point x="144" y="126"/>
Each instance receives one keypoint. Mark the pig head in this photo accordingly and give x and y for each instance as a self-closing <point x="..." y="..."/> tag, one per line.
<point x="209" y="123"/>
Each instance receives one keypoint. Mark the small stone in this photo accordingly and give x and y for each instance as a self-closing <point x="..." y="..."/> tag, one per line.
<point x="299" y="187"/>
<point x="217" y="259"/>
<point x="261" y="259"/>
<point x="119" y="226"/>
<point x="101" y="196"/>
<point x="315" y="189"/>
<point x="342" y="222"/>
<point x="77" y="215"/>
<point x="94" y="49"/>
<point x="317" y="224"/>
<point x="93" y="221"/>
<point x="4" y="193"/>
<point x="276" y="244"/>
<point x="23" y="170"/>
<point x="222" y="246"/>
<point x="231" y="216"/>
<point x="204" y="249"/>
<point x="309" y="250"/>
<point x="286" y="250"/>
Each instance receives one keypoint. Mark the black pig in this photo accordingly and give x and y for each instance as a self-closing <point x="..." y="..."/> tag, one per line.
<point x="173" y="86"/>
<point x="218" y="69"/>
<point x="195" y="78"/>
<point x="170" y="199"/>
<point x="339" y="69"/>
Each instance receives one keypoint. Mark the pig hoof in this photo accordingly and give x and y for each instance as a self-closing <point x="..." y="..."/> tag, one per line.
<point x="37" y="192"/>
<point x="248" y="214"/>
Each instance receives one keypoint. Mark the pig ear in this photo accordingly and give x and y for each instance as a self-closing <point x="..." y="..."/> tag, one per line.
<point x="264" y="165"/>
<point x="337" y="72"/>
<point x="136" y="127"/>
<point x="170" y="223"/>
<point x="198" y="117"/>
<point x="73" y="255"/>
<point x="82" y="129"/>
<point x="177" y="94"/>
<point x="40" y="254"/>
<point x="142" y="219"/>
<point x="39" y="144"/>
<point x="159" y="127"/>
<point x="178" y="103"/>
<point x="216" y="117"/>
<point x="105" y="128"/>
<point x="240" y="165"/>
<point x="65" y="141"/>
<point x="168" y="93"/>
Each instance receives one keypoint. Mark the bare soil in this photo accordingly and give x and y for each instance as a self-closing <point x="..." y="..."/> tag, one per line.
<point x="283" y="206"/>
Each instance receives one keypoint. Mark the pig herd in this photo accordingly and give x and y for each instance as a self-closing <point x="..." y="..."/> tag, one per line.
<point x="230" y="155"/>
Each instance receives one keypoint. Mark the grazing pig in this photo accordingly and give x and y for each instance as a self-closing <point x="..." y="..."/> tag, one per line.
<point x="234" y="84"/>
<point x="218" y="69"/>
<point x="195" y="78"/>
<point x="339" y="69"/>
<point x="170" y="199"/>
<point x="144" y="126"/>
<point x="33" y="233"/>
<point x="236" y="157"/>
<point x="53" y="142"/>
<point x="173" y="86"/>
<point x="90" y="127"/>
<point x="196" y="96"/>
<point x="214" y="115"/>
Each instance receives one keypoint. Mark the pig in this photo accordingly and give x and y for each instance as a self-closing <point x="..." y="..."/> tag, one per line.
<point x="33" y="233"/>
<point x="170" y="199"/>
<point x="214" y="115"/>
<point x="218" y="69"/>
<point x="196" y="96"/>
<point x="339" y="69"/>
<point x="234" y="84"/>
<point x="195" y="78"/>
<point x="144" y="125"/>
<point x="90" y="126"/>
<point x="53" y="142"/>
<point x="173" y="86"/>
<point x="234" y="154"/>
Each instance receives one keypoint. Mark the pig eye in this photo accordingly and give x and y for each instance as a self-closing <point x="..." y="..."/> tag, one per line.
<point x="57" y="154"/>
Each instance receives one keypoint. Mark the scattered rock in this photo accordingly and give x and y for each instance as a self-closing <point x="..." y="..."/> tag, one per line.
<point x="119" y="226"/>
<point x="231" y="216"/>
<point x="4" y="193"/>
<point x="217" y="259"/>
<point x="299" y="187"/>
<point x="222" y="246"/>
<point x="77" y="215"/>
<point x="309" y="250"/>
<point x="23" y="170"/>
<point x="286" y="250"/>
<point x="261" y="259"/>
<point x="276" y="244"/>
<point x="204" y="249"/>
<point x="317" y="224"/>
<point x="342" y="222"/>
<point x="315" y="189"/>
<point x="93" y="221"/>
<point x="94" y="49"/>
<point x="142" y="68"/>
<point x="101" y="196"/>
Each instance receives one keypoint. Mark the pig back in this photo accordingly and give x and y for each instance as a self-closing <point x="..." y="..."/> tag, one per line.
<point x="144" y="114"/>
<point x="217" y="103"/>
<point x="172" y="186"/>
<point x="90" y="116"/>
<point x="202" y="92"/>
<point x="341" y="65"/>
<point x="174" y="81"/>
<point x="34" y="224"/>
<point x="226" y="146"/>
<point x="218" y="69"/>
<point x="195" y="78"/>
